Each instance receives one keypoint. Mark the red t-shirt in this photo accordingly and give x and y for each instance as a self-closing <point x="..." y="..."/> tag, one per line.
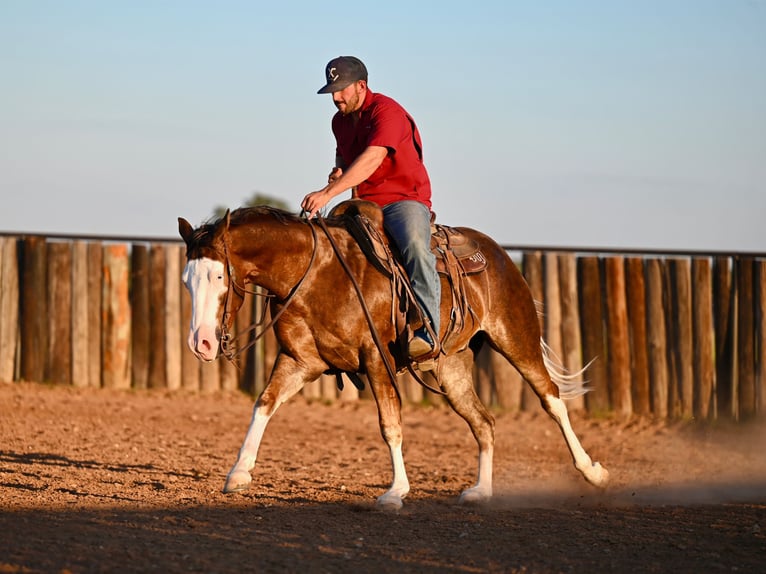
<point x="383" y="122"/>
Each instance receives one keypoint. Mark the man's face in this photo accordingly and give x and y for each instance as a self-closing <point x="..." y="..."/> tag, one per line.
<point x="350" y="98"/>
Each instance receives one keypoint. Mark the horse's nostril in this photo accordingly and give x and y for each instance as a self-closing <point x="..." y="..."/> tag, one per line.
<point x="205" y="344"/>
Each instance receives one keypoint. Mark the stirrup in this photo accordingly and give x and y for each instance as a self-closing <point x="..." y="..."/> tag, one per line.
<point x="419" y="347"/>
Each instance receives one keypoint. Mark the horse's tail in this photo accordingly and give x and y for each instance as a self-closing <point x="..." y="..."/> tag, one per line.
<point x="570" y="385"/>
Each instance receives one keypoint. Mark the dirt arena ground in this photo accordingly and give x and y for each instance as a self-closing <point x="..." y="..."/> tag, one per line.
<point x="103" y="481"/>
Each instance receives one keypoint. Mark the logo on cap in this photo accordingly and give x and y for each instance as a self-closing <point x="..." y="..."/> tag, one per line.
<point x="332" y="75"/>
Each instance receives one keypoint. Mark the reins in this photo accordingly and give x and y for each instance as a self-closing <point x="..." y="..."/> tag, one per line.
<point x="226" y="338"/>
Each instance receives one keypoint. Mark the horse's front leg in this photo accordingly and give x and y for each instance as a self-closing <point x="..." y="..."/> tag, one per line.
<point x="285" y="381"/>
<point x="390" y="419"/>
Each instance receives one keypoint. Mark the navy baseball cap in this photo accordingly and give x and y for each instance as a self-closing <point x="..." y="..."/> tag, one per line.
<point x="342" y="72"/>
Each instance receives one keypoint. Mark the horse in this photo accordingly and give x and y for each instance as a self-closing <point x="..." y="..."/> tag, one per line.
<point x="320" y="326"/>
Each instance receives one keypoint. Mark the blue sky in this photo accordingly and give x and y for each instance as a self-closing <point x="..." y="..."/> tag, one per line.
<point x="551" y="123"/>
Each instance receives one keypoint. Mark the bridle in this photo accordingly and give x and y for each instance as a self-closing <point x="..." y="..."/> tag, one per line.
<point x="227" y="339"/>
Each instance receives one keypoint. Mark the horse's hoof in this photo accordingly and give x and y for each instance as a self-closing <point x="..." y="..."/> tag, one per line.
<point x="389" y="503"/>
<point x="597" y="475"/>
<point x="474" y="495"/>
<point x="237" y="482"/>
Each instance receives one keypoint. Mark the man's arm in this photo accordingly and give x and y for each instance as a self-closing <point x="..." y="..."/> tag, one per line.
<point x="361" y="168"/>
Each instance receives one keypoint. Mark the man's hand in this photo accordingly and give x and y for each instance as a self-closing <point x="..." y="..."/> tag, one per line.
<point x="339" y="180"/>
<point x="334" y="174"/>
<point x="315" y="201"/>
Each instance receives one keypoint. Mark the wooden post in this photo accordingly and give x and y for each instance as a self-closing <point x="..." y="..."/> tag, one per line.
<point x="670" y="301"/>
<point x="507" y="382"/>
<point x="157" y="357"/>
<point x="80" y="335"/>
<point x="704" y="344"/>
<point x="571" y="339"/>
<point x="210" y="377"/>
<point x="349" y="393"/>
<point x="657" y="337"/>
<point x="139" y="310"/>
<point x="95" y="294"/>
<point x="639" y="358"/>
<point x="760" y="342"/>
<point x="683" y="348"/>
<point x="552" y="311"/>
<point x="618" y="338"/>
<point x="592" y="328"/>
<point x="724" y="320"/>
<point x="59" y="364"/>
<point x="9" y="308"/>
<point x="116" y="318"/>
<point x="498" y="382"/>
<point x="482" y="376"/>
<point x="532" y="266"/>
<point x="313" y="390"/>
<point x="328" y="388"/>
<point x="745" y="337"/>
<point x="34" y="310"/>
<point x="173" y="369"/>
<point x="229" y="374"/>
<point x="246" y="374"/>
<point x="411" y="390"/>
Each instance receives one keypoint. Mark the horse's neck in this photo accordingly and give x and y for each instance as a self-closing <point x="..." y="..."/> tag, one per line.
<point x="273" y="254"/>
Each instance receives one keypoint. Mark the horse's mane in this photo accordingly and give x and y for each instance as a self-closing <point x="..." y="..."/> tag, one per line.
<point x="203" y="236"/>
<point x="245" y="215"/>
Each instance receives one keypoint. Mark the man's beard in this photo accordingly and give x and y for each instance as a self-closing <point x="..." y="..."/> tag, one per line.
<point x="350" y="106"/>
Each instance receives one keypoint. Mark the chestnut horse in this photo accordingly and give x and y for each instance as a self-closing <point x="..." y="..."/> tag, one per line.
<point x="321" y="327"/>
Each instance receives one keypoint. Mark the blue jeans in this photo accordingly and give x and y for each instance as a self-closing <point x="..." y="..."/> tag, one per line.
<point x="408" y="223"/>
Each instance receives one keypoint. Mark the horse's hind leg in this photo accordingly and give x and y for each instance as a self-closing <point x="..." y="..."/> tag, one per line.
<point x="456" y="379"/>
<point x="536" y="374"/>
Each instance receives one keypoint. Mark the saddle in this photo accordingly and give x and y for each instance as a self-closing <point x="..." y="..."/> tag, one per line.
<point x="456" y="256"/>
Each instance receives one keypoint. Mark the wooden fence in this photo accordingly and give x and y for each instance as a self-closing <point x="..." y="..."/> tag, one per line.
<point x="674" y="336"/>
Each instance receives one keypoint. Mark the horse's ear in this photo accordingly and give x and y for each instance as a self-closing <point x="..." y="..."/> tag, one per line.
<point x="185" y="229"/>
<point x="227" y="219"/>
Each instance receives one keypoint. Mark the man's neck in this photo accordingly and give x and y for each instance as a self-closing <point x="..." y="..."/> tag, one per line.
<point x="357" y="113"/>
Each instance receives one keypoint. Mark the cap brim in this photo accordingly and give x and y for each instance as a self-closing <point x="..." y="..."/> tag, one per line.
<point x="335" y="86"/>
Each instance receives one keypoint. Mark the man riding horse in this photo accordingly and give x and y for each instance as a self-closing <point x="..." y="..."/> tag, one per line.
<point x="379" y="156"/>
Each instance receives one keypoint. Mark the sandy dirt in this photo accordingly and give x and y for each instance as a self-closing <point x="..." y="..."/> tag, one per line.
<point x="106" y="481"/>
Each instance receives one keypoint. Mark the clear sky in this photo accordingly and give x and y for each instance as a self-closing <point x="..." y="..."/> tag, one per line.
<point x="553" y="123"/>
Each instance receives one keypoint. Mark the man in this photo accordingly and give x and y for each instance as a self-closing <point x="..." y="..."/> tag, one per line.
<point x="380" y="157"/>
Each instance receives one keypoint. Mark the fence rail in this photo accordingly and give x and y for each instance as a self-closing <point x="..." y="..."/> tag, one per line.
<point x="673" y="335"/>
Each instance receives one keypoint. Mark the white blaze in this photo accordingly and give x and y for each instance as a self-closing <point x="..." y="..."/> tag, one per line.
<point x="204" y="278"/>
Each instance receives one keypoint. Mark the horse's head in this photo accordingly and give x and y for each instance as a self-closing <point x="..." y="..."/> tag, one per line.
<point x="208" y="277"/>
